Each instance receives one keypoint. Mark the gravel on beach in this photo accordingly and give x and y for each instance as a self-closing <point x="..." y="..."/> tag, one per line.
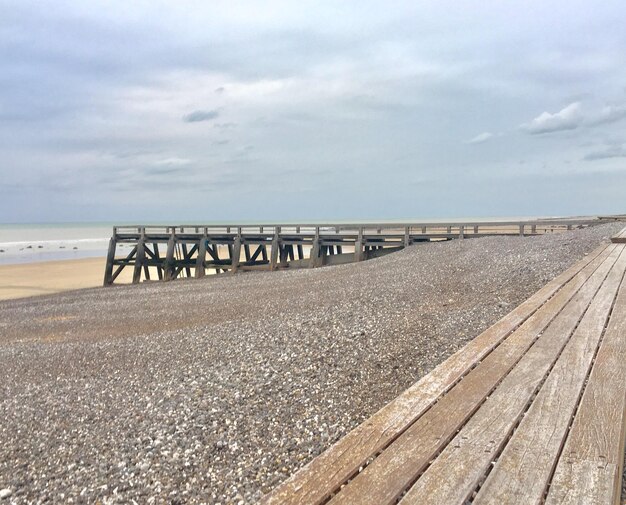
<point x="215" y="390"/>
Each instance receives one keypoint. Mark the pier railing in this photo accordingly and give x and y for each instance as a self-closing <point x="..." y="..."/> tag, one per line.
<point x="168" y="252"/>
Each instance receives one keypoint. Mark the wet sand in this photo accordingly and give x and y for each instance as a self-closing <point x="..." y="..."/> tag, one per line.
<point x="43" y="278"/>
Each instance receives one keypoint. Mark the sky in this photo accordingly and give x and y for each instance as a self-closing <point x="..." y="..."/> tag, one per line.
<point x="152" y="111"/>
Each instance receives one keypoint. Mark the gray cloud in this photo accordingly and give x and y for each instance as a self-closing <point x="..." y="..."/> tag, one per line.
<point x="343" y="91"/>
<point x="200" y="115"/>
<point x="614" y="151"/>
<point x="609" y="114"/>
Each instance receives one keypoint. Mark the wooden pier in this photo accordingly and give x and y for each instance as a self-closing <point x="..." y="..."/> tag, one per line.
<point x="170" y="252"/>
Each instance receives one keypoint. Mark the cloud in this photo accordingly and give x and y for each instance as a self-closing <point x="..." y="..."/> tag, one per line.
<point x="615" y="151"/>
<point x="568" y="118"/>
<point x="480" y="138"/>
<point x="173" y="162"/>
<point x="224" y="126"/>
<point x="200" y="115"/>
<point x="609" y="114"/>
<point x="572" y="117"/>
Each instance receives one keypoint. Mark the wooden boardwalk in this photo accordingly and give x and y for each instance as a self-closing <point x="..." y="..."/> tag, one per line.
<point x="619" y="238"/>
<point x="170" y="252"/>
<point x="531" y="411"/>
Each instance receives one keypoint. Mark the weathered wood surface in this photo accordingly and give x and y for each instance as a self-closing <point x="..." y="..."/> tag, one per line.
<point x="590" y="468"/>
<point x="478" y="443"/>
<point x="323" y="476"/>
<point x="492" y="423"/>
<point x="522" y="472"/>
<point x="619" y="238"/>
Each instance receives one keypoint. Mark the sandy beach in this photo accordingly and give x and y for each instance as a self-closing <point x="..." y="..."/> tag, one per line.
<point x="47" y="277"/>
<point x="215" y="390"/>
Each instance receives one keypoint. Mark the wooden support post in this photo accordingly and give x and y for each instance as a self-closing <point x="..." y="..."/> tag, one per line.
<point x="569" y="226"/>
<point x="339" y="249"/>
<point x="201" y="258"/>
<point x="246" y="251"/>
<point x="158" y="260"/>
<point x="186" y="258"/>
<point x="108" y="270"/>
<point x="521" y="230"/>
<point x="424" y="230"/>
<point x="274" y="251"/>
<point x="140" y="258"/>
<point x="358" y="246"/>
<point x="300" y="252"/>
<point x="316" y="254"/>
<point x="236" y="254"/>
<point x="476" y="229"/>
<point x="461" y="231"/>
<point x="449" y="230"/>
<point x="315" y="258"/>
<point x="282" y="253"/>
<point x="407" y="237"/>
<point x="146" y="268"/>
<point x="533" y="229"/>
<point x="170" y="268"/>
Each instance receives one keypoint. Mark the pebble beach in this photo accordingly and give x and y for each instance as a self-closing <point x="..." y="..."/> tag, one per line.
<point x="216" y="390"/>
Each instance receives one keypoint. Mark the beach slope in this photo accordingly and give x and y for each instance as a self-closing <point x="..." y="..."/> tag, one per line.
<point x="215" y="390"/>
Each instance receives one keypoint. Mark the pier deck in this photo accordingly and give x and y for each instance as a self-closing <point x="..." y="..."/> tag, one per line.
<point x="169" y="252"/>
<point x="533" y="410"/>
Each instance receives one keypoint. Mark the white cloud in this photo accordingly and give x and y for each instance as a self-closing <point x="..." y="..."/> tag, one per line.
<point x="173" y="162"/>
<point x="569" y="118"/>
<point x="480" y="138"/>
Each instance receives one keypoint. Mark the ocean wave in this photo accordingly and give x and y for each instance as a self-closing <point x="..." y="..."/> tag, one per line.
<point x="70" y="242"/>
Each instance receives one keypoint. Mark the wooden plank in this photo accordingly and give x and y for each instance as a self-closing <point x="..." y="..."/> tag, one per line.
<point x="389" y="475"/>
<point x="523" y="470"/>
<point x="591" y="464"/>
<point x="619" y="238"/>
<point x="456" y="472"/>
<point x="322" y="476"/>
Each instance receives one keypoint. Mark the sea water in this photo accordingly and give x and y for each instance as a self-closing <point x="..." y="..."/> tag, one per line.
<point x="26" y="243"/>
